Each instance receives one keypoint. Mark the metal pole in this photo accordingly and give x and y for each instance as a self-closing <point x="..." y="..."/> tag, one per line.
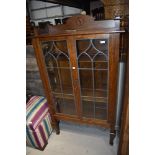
<point x="120" y="93"/>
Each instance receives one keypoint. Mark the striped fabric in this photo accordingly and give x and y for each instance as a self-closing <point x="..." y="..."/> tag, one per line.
<point x="36" y="109"/>
<point x="38" y="127"/>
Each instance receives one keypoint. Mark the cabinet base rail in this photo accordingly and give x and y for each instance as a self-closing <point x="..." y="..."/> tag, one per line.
<point x="101" y="123"/>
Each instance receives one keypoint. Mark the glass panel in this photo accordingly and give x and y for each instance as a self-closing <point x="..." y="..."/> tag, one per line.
<point x="47" y="47"/>
<point x="54" y="79"/>
<point x="101" y="45"/>
<point x="100" y="113"/>
<point x="63" y="60"/>
<point x="100" y="61"/>
<point x="66" y="81"/>
<point x="92" y="51"/>
<point x="62" y="46"/>
<point x="100" y="83"/>
<point x="101" y="110"/>
<point x="85" y="61"/>
<point x="82" y="45"/>
<point x="92" y="57"/>
<point x="86" y="82"/>
<point x="65" y="106"/>
<point x="59" y="73"/>
<point x="88" y="108"/>
<point x="50" y="61"/>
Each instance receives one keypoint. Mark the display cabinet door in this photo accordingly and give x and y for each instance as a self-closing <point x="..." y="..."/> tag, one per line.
<point x="93" y="70"/>
<point x="57" y="61"/>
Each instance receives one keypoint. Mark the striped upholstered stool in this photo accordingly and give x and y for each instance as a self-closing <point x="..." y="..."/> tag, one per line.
<point x="38" y="126"/>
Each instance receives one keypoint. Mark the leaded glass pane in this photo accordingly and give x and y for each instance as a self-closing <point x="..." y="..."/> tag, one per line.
<point x="92" y="55"/>
<point x="59" y="72"/>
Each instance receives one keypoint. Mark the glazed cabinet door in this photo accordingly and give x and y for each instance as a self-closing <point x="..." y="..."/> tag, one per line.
<point x="93" y="69"/>
<point x="97" y="59"/>
<point x="57" y="62"/>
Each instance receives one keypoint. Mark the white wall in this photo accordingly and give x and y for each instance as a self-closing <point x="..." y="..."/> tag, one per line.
<point x="50" y="14"/>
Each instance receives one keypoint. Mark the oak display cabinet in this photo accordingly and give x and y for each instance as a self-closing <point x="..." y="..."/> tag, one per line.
<point x="78" y="63"/>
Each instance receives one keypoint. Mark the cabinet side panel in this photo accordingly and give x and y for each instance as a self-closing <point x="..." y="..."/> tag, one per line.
<point x="113" y="71"/>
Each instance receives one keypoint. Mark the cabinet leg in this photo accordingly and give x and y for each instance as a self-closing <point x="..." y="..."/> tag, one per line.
<point x="55" y="126"/>
<point x="57" y="129"/>
<point x="112" y="136"/>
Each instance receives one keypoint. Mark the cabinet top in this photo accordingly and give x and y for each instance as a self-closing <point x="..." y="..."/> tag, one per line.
<point x="78" y="25"/>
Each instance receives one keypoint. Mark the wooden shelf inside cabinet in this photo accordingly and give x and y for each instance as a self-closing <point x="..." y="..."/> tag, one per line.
<point x="84" y="98"/>
<point x="78" y="63"/>
<point x="88" y="96"/>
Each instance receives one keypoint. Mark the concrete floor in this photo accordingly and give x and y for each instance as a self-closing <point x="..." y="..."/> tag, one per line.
<point x="78" y="140"/>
